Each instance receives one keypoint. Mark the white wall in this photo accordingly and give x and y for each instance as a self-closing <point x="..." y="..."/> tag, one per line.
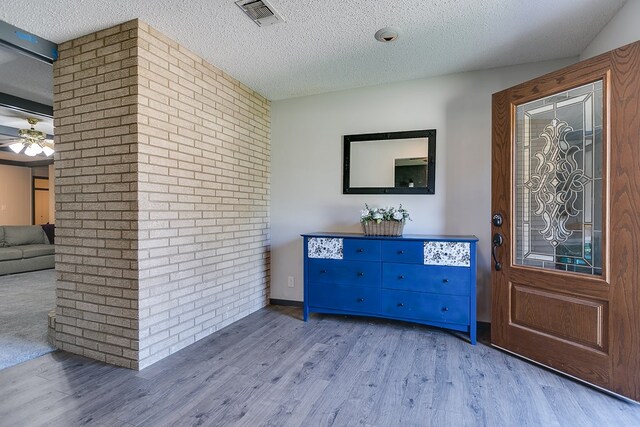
<point x="15" y="195"/>
<point x="307" y="162"/>
<point x="624" y="28"/>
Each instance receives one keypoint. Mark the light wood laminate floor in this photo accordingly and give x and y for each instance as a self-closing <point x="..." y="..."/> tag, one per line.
<point x="273" y="369"/>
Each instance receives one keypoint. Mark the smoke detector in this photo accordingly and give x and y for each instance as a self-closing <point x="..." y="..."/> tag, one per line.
<point x="386" y="34"/>
<point x="260" y="12"/>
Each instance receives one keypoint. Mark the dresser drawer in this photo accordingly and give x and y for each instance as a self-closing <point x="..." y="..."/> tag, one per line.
<point x="403" y="251"/>
<point x="354" y="273"/>
<point x="343" y="297"/>
<point x="430" y="307"/>
<point x="426" y="278"/>
<point x="361" y="250"/>
<point x="447" y="253"/>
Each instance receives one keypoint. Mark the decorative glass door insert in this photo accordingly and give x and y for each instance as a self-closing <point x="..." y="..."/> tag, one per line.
<point x="558" y="181"/>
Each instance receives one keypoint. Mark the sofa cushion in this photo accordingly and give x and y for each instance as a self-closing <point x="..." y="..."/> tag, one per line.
<point x="50" y="231"/>
<point x="17" y="235"/>
<point x="7" y="254"/>
<point x="2" y="244"/>
<point x="31" y="251"/>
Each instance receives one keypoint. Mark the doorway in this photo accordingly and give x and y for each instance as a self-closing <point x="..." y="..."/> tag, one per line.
<point x="28" y="281"/>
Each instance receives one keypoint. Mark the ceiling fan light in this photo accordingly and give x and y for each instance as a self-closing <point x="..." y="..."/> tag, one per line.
<point x="48" y="151"/>
<point x="16" y="147"/>
<point x="33" y="150"/>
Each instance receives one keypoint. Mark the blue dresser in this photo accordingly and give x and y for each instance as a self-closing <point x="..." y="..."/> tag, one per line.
<point x="423" y="279"/>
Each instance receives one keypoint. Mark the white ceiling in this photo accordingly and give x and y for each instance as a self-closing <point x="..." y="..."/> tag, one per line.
<point x="328" y="45"/>
<point x="25" y="77"/>
<point x="18" y="120"/>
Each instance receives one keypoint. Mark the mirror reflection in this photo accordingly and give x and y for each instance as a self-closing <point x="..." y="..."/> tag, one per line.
<point x="411" y="172"/>
<point x="395" y="162"/>
<point x="388" y="159"/>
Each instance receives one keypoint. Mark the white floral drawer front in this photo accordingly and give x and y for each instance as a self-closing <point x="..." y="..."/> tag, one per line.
<point x="456" y="254"/>
<point x="324" y="247"/>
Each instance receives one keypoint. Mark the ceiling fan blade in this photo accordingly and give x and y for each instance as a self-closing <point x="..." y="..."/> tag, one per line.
<point x="8" y="142"/>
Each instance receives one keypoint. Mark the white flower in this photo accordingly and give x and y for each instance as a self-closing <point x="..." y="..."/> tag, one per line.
<point x="377" y="215"/>
<point x="397" y="216"/>
<point x="364" y="212"/>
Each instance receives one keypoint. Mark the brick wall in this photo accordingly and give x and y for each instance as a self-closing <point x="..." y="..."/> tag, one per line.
<point x="95" y="116"/>
<point x="162" y="196"/>
<point x="203" y="197"/>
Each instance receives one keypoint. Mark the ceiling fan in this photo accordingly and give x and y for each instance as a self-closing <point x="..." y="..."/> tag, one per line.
<point x="33" y="141"/>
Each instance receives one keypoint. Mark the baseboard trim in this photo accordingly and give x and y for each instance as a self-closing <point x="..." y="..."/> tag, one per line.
<point x="287" y="302"/>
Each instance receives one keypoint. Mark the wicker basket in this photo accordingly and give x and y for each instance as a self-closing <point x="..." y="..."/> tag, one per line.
<point x="383" y="228"/>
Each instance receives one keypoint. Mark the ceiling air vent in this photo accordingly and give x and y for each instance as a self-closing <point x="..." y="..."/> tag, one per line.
<point x="260" y="12"/>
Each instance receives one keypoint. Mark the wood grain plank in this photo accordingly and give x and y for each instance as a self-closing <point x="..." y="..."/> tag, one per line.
<point x="267" y="406"/>
<point x="396" y="399"/>
<point x="625" y="205"/>
<point x="359" y="358"/>
<point x="577" y="319"/>
<point x="370" y="382"/>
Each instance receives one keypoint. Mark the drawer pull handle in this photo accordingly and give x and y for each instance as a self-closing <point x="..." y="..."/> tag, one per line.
<point x="445" y="280"/>
<point x="360" y="300"/>
<point x="323" y="271"/>
<point x="400" y="304"/>
<point x="400" y="277"/>
<point x="360" y="273"/>
<point x="360" y="250"/>
<point x="445" y="309"/>
<point x="400" y="252"/>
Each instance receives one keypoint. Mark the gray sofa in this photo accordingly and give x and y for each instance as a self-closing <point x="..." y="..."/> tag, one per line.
<point x="24" y="248"/>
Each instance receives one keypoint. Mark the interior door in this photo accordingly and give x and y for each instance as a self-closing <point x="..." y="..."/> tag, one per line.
<point x="40" y="200"/>
<point x="566" y="225"/>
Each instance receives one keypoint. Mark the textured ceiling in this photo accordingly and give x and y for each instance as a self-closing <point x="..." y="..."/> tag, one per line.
<point x="328" y="45"/>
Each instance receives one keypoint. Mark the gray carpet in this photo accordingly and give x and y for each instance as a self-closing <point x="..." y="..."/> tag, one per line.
<point x="25" y="302"/>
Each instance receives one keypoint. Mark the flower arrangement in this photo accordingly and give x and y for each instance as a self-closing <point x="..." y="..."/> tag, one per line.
<point x="387" y="221"/>
<point x="384" y="214"/>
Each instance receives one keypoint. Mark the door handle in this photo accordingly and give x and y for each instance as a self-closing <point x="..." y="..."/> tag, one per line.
<point x="498" y="240"/>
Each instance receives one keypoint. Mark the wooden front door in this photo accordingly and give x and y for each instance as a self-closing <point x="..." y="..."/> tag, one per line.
<point x="566" y="224"/>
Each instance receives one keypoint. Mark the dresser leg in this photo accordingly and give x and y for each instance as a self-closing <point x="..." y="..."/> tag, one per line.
<point x="305" y="312"/>
<point x="472" y="332"/>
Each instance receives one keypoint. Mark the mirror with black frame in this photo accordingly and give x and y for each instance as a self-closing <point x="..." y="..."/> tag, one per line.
<point x="390" y="163"/>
